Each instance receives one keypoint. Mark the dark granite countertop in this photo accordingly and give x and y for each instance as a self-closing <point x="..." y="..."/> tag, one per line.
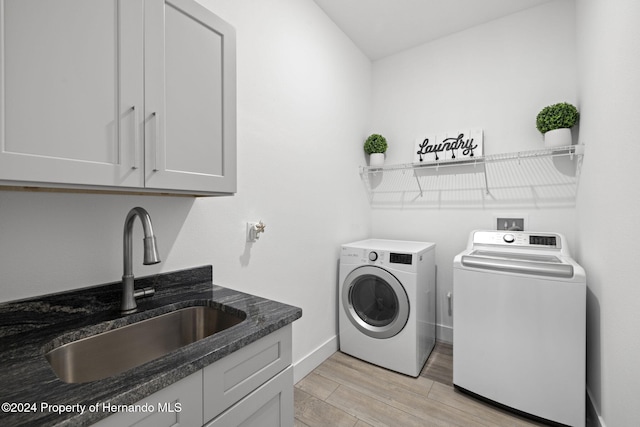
<point x="31" y="327"/>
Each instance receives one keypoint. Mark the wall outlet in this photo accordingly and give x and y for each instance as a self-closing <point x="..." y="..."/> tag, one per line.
<point x="510" y="223"/>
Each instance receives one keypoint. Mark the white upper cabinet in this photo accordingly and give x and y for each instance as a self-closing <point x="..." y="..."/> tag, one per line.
<point x="71" y="73"/>
<point x="132" y="95"/>
<point x="190" y="97"/>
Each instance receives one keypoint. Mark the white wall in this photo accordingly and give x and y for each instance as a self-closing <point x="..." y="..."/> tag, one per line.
<point x="303" y="105"/>
<point x="609" y="202"/>
<point x="496" y="76"/>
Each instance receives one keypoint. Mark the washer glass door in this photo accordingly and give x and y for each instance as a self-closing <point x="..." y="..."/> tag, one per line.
<point x="375" y="302"/>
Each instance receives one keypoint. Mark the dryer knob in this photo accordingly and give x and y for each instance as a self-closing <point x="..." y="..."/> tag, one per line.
<point x="509" y="238"/>
<point x="373" y="256"/>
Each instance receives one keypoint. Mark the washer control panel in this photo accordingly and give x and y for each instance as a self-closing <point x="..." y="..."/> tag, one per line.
<point x="364" y="256"/>
<point x="518" y="238"/>
<point x="395" y="258"/>
<point x="398" y="258"/>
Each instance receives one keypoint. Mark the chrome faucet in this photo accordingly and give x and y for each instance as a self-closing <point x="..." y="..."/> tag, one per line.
<point x="150" y="257"/>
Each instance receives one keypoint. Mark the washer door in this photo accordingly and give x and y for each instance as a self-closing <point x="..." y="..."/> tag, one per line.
<point x="375" y="302"/>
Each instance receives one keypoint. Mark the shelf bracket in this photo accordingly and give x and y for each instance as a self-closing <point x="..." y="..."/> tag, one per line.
<point x="486" y="181"/>
<point x="415" y="175"/>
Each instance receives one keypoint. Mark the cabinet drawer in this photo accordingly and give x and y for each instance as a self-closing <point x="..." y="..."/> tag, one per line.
<point x="269" y="406"/>
<point x="232" y="378"/>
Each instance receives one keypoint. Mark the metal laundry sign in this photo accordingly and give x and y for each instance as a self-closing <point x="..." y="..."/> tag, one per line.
<point x="449" y="146"/>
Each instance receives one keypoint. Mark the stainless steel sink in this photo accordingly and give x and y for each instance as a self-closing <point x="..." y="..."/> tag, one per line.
<point x="109" y="353"/>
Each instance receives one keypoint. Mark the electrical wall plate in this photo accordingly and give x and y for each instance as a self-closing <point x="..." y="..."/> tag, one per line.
<point x="510" y="221"/>
<point x="252" y="236"/>
<point x="254" y="229"/>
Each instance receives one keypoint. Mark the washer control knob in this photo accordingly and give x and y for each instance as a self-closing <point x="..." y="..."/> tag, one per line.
<point x="373" y="256"/>
<point x="509" y="238"/>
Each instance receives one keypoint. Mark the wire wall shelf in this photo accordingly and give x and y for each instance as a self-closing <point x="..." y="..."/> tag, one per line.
<point x="538" y="178"/>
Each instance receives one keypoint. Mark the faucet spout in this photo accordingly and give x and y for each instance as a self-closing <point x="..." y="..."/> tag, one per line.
<point x="151" y="255"/>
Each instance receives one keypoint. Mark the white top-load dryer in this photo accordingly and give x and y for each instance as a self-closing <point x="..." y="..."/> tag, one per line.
<point x="387" y="293"/>
<point x="519" y="319"/>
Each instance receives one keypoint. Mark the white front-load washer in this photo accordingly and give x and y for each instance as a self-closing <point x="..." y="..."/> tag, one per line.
<point x="519" y="324"/>
<point x="387" y="303"/>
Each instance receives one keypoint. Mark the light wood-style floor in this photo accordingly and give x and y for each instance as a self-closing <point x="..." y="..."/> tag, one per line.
<point x="345" y="391"/>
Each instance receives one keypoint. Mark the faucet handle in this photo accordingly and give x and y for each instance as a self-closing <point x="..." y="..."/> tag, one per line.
<point x="144" y="292"/>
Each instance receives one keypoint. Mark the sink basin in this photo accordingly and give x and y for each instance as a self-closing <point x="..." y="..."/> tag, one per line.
<point x="109" y="353"/>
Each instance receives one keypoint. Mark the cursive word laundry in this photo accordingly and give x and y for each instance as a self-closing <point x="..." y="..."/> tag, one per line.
<point x="448" y="144"/>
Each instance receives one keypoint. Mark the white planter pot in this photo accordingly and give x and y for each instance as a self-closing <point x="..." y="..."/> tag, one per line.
<point x="376" y="159"/>
<point x="558" y="138"/>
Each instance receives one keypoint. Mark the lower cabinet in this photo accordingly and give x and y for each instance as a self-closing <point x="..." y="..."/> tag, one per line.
<point x="251" y="387"/>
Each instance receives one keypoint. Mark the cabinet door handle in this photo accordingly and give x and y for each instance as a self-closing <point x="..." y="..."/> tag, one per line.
<point x="135" y="137"/>
<point x="156" y="118"/>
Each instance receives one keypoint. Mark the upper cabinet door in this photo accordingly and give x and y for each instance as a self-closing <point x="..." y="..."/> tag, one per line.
<point x="71" y="91"/>
<point x="190" y="98"/>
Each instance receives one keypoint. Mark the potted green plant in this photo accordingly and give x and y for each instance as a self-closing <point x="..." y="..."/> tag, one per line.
<point x="375" y="146"/>
<point x="555" y="123"/>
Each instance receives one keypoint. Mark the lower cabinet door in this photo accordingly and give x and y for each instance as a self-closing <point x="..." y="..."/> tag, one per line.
<point x="270" y="405"/>
<point x="180" y="404"/>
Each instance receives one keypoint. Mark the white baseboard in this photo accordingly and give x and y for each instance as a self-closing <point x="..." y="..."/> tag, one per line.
<point x="304" y="366"/>
<point x="444" y="333"/>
